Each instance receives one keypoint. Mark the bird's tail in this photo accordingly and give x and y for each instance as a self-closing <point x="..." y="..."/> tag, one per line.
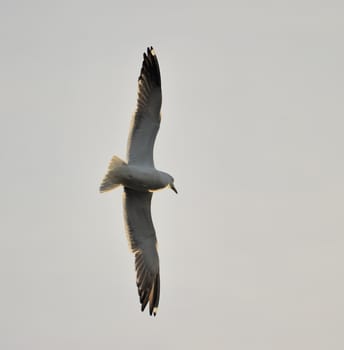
<point x="114" y="175"/>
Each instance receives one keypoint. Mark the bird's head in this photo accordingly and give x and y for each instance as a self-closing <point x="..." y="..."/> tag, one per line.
<point x="171" y="184"/>
<point x="168" y="181"/>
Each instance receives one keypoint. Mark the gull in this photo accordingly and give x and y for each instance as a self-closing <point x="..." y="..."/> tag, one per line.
<point x="140" y="179"/>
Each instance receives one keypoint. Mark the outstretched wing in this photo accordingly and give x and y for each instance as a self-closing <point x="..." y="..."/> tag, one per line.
<point x="142" y="240"/>
<point x="146" y="120"/>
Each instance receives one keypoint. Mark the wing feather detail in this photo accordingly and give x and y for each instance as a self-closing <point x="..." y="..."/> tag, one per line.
<point x="143" y="242"/>
<point x="146" y="119"/>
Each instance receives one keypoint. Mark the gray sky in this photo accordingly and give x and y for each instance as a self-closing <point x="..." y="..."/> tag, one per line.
<point x="252" y="246"/>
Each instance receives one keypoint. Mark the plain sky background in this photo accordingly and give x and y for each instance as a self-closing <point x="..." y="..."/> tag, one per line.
<point x="251" y="248"/>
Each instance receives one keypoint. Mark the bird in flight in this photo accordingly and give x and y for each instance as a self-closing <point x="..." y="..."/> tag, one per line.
<point x="140" y="179"/>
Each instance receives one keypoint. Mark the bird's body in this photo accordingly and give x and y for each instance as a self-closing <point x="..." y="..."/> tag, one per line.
<point x="145" y="179"/>
<point x="139" y="178"/>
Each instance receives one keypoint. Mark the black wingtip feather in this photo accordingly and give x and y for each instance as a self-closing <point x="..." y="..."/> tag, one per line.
<point x="150" y="70"/>
<point x="154" y="297"/>
<point x="150" y="294"/>
<point x="148" y="285"/>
